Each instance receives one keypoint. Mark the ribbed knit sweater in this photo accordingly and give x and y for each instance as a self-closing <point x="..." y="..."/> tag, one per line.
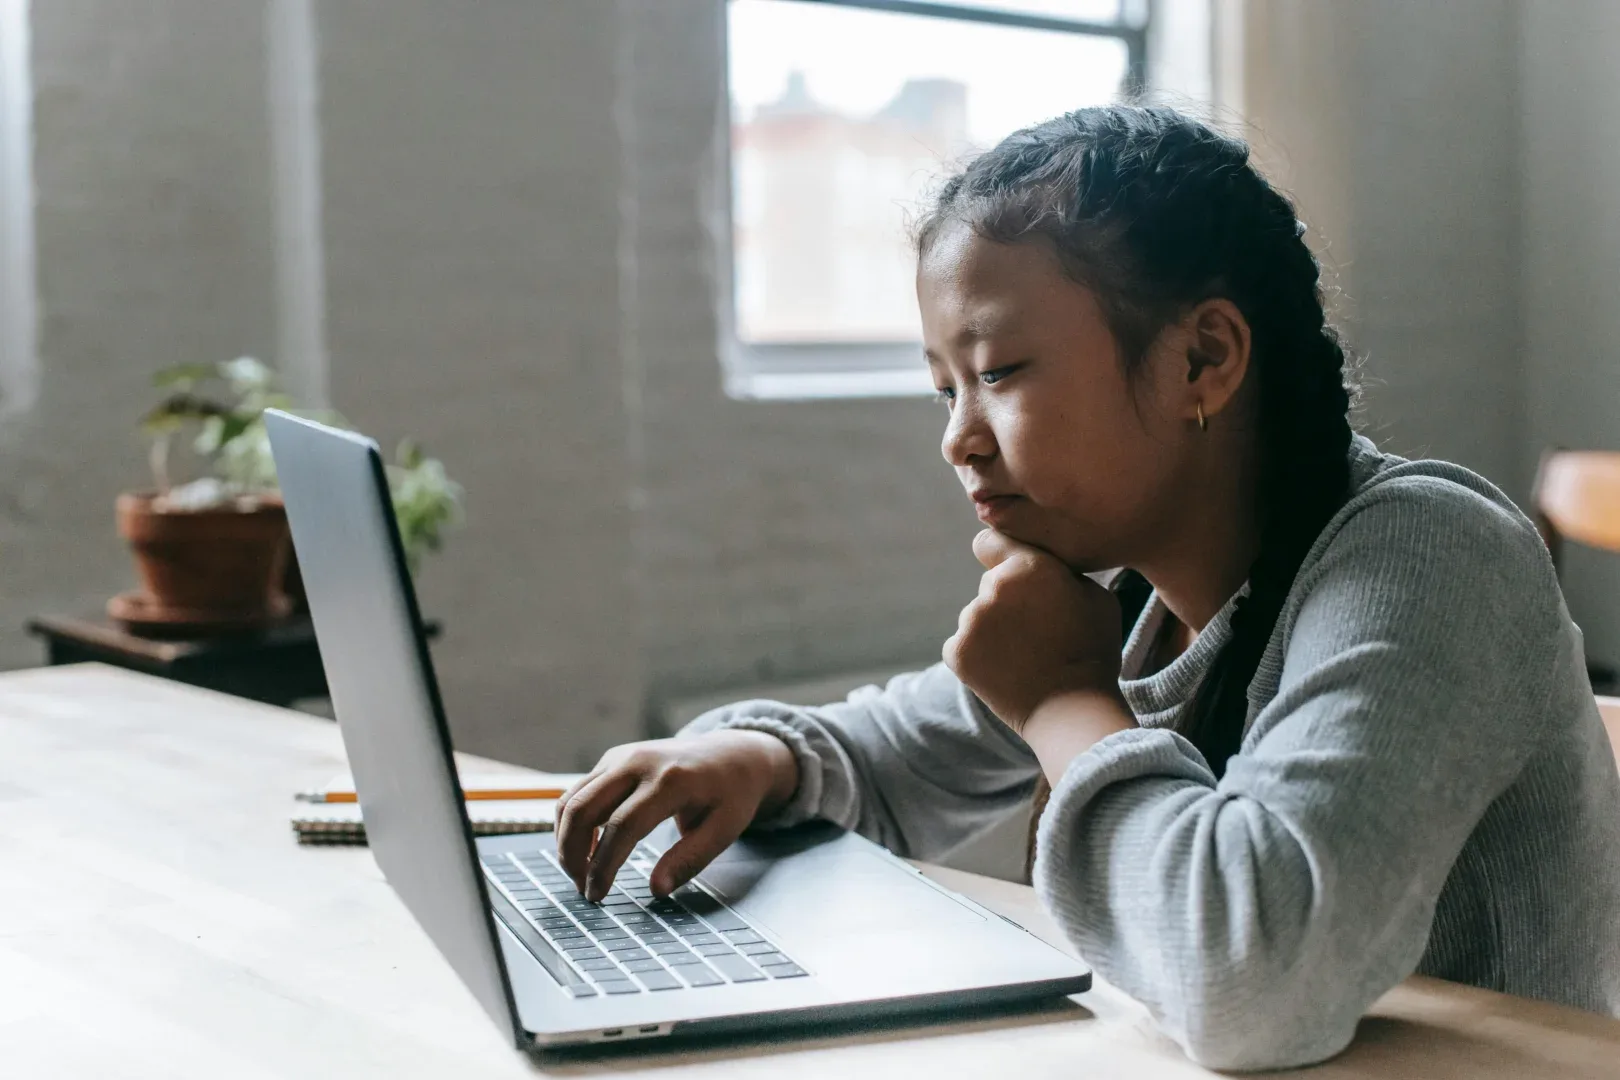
<point x="1424" y="785"/>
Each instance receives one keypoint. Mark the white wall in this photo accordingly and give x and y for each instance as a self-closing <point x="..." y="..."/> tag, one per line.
<point x="517" y="202"/>
<point x="1396" y="126"/>
<point x="18" y="314"/>
<point x="471" y="200"/>
<point x="1570" y="157"/>
<point x="153" y="246"/>
<point x="520" y="271"/>
<point x="775" y="539"/>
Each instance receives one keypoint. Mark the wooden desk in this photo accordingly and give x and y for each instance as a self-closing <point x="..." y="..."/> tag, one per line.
<point x="157" y="920"/>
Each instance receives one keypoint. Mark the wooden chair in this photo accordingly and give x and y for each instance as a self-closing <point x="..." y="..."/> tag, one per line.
<point x="1577" y="497"/>
<point x="1609" y="707"/>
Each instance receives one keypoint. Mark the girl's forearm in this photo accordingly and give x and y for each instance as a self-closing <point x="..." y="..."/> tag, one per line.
<point x="1066" y="725"/>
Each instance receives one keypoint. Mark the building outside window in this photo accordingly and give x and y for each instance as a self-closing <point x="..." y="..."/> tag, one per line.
<point x="845" y="116"/>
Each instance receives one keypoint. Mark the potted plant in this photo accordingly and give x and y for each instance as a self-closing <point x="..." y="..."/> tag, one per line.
<point x="214" y="553"/>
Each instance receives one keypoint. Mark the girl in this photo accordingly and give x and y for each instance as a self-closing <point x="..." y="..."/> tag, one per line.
<point x="1350" y="736"/>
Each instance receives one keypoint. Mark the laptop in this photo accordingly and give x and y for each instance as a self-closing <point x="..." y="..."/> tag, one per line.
<point x="811" y="924"/>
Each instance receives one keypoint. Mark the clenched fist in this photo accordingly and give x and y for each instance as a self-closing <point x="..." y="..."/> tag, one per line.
<point x="1036" y="629"/>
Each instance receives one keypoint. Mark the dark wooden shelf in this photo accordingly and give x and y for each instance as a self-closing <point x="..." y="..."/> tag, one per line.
<point x="279" y="665"/>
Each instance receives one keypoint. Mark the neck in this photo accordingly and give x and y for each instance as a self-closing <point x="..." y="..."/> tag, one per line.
<point x="1203" y="552"/>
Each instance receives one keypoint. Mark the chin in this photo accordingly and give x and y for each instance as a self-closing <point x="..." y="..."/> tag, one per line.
<point x="1076" y="556"/>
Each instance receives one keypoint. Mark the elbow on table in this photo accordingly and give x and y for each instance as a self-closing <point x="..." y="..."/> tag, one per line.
<point x="1232" y="1031"/>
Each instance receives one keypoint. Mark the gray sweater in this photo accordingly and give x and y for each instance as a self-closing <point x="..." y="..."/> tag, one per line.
<point x="1424" y="785"/>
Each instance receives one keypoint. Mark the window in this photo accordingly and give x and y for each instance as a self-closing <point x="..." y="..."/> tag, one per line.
<point x="19" y="375"/>
<point x="844" y="115"/>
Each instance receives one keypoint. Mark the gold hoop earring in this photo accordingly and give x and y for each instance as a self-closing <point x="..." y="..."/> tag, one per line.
<point x="1203" y="424"/>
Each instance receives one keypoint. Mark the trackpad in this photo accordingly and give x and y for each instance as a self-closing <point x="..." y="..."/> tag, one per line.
<point x="834" y="892"/>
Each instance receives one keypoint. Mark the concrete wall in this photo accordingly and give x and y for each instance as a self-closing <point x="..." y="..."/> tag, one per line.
<point x="517" y="208"/>
<point x="1570" y="157"/>
<point x="776" y="539"/>
<point x="1396" y="127"/>
<point x="1435" y="199"/>
<point x="471" y="194"/>
<point x="153" y="246"/>
<point x="519" y="203"/>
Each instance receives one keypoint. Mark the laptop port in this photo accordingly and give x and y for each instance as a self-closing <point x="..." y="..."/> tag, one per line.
<point x="608" y="1034"/>
<point x="650" y="1029"/>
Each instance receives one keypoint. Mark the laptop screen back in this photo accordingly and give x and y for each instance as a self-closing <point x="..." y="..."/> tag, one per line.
<point x="385" y="695"/>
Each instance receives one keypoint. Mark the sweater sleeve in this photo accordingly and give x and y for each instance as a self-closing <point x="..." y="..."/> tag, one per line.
<point x="1259" y="917"/>
<point x="920" y="766"/>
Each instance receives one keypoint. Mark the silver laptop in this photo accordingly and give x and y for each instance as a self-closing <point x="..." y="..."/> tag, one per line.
<point x="805" y="925"/>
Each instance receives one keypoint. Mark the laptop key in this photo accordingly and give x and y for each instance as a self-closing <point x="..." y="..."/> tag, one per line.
<point x="745" y="937"/>
<point x="700" y="939"/>
<point x="580" y="990"/>
<point x="716" y="950"/>
<point x="679" y="959"/>
<point x="693" y="931"/>
<point x="618" y="986"/>
<point x="597" y="963"/>
<point x="661" y="937"/>
<point x="736" y="969"/>
<point x="586" y="953"/>
<point x="784" y="971"/>
<point x="621" y="945"/>
<point x="699" y="975"/>
<point x="724" y="920"/>
<point x="648" y="964"/>
<point x="673" y="948"/>
<point x="659" y="980"/>
<point x="752" y="948"/>
<point x="765" y="960"/>
<point x="610" y="934"/>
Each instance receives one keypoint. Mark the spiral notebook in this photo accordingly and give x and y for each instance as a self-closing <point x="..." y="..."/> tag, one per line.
<point x="342" y="823"/>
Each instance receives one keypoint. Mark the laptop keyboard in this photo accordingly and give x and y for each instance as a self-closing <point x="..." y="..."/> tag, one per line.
<point x="632" y="942"/>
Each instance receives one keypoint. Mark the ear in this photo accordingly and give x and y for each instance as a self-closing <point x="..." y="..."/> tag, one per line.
<point x="1216" y="342"/>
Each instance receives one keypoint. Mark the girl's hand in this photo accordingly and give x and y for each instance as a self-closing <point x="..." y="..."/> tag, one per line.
<point x="713" y="785"/>
<point x="1036" y="630"/>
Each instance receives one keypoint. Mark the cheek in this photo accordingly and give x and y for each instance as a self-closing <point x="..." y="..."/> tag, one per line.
<point x="1083" y="458"/>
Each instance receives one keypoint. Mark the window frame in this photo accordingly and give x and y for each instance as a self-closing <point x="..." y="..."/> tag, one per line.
<point x="819" y="370"/>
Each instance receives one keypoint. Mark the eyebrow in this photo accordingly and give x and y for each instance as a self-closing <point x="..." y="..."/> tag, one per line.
<point x="975" y="328"/>
<point x="978" y="327"/>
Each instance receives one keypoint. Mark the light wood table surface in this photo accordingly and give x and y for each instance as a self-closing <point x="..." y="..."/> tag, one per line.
<point x="158" y="920"/>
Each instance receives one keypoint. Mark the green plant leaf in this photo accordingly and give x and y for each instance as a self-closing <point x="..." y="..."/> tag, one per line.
<point x="183" y="376"/>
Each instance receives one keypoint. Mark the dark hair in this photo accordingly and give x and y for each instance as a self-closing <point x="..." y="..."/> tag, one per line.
<point x="1155" y="212"/>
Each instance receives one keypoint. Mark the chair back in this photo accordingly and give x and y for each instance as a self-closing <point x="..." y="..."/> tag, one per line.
<point x="1577" y="497"/>
<point x="1609" y="707"/>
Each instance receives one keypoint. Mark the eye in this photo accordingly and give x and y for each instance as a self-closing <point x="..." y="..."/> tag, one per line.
<point x="944" y="394"/>
<point x="995" y="375"/>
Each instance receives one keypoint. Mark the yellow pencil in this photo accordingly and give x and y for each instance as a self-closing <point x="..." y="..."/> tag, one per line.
<point x="476" y="794"/>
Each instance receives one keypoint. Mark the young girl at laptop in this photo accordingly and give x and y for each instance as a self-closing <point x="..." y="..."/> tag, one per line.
<point x="1351" y="736"/>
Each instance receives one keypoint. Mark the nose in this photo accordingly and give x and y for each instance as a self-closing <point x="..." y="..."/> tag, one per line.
<point x="967" y="436"/>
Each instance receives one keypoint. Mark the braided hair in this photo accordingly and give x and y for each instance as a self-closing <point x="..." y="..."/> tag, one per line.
<point x="1155" y="212"/>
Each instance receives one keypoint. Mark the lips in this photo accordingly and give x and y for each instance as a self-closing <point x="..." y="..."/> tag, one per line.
<point x="992" y="506"/>
<point x="985" y="495"/>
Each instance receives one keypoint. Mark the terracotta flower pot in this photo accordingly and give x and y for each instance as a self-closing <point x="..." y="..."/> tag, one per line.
<point x="225" y="564"/>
